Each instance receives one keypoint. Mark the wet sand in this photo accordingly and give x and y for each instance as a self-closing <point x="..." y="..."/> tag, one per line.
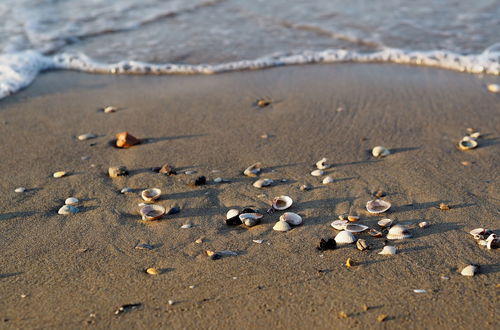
<point x="208" y="123"/>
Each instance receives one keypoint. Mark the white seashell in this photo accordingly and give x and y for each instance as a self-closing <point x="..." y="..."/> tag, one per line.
<point x="150" y="195"/>
<point x="380" y="151"/>
<point x="292" y="218"/>
<point x="477" y="231"/>
<point x="86" y="136"/>
<point x="469" y="270"/>
<point x="152" y="212"/>
<point x="218" y="180"/>
<point x="317" y="173"/>
<point x="68" y="209"/>
<point x="493" y="243"/>
<point x="322" y="165"/>
<point x="186" y="226"/>
<point x="482" y="242"/>
<point x="419" y="291"/>
<point x="59" y="174"/>
<point x="398" y="232"/>
<point x="282" y="202"/>
<point x="281" y="226"/>
<point x="258" y="241"/>
<point x="467" y="143"/>
<point x="328" y="179"/>
<point x="190" y="172"/>
<point x="475" y="135"/>
<point x="388" y="250"/>
<point x="339" y="224"/>
<point x="263" y="183"/>
<point x="232" y="213"/>
<point x="423" y="224"/>
<point x="493" y="88"/>
<point x="491" y="237"/>
<point x="125" y="190"/>
<point x="71" y="201"/>
<point x="109" y="109"/>
<point x="385" y="222"/>
<point x="355" y="228"/>
<point x="345" y="237"/>
<point x="20" y="190"/>
<point x="250" y="219"/>
<point x="361" y="245"/>
<point x="377" y="206"/>
<point x="253" y="169"/>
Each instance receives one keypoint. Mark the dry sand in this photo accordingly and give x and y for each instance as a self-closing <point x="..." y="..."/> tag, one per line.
<point x="208" y="123"/>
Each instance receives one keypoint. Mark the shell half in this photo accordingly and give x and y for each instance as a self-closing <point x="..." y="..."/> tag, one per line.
<point x="469" y="270"/>
<point x="263" y="183"/>
<point x="388" y="250"/>
<point x="250" y="219"/>
<point x="151" y="194"/>
<point x="467" y="143"/>
<point x="355" y="228"/>
<point x="339" y="224"/>
<point x="377" y="206"/>
<point x="253" y="170"/>
<point x="317" y="173"/>
<point x="151" y="212"/>
<point x="322" y="164"/>
<point x="282" y="202"/>
<point x="398" y="232"/>
<point x="380" y="151"/>
<point x="328" y="179"/>
<point x="292" y="218"/>
<point x="345" y="237"/>
<point x="281" y="226"/>
<point x="385" y="222"/>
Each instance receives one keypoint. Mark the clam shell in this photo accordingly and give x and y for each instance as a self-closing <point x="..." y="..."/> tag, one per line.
<point x="380" y="151"/>
<point x="86" y="136"/>
<point x="423" y="224"/>
<point x="355" y="228"/>
<point x="253" y="169"/>
<point x="493" y="88"/>
<point x="20" y="190"/>
<point x="59" y="174"/>
<point x="292" y="218"/>
<point x="361" y="245"/>
<point x="469" y="270"/>
<point x="322" y="165"/>
<point x="375" y="233"/>
<point x="232" y="213"/>
<point x="68" y="209"/>
<point x="388" y="250"/>
<point x="377" y="206"/>
<point x="385" y="222"/>
<point x="477" y="231"/>
<point x="475" y="135"/>
<point x="263" y="183"/>
<point x="282" y="202"/>
<point x="71" y="201"/>
<point x="352" y="218"/>
<point x="339" y="224"/>
<point x="281" y="226"/>
<point x="250" y="219"/>
<point x="467" y="143"/>
<point x="317" y="173"/>
<point x="328" y="179"/>
<point x="151" y="194"/>
<point x="398" y="232"/>
<point x="345" y="237"/>
<point x="151" y="212"/>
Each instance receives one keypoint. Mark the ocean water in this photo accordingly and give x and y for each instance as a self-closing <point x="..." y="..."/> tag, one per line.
<point x="212" y="36"/>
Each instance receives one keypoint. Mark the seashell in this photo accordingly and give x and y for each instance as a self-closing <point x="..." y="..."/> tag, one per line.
<point x="262" y="103"/>
<point x="86" y="136"/>
<point x="375" y="233"/>
<point x="477" y="231"/>
<point x="110" y="109"/>
<point x="186" y="226"/>
<point x="398" y="232"/>
<point x="352" y="218"/>
<point x="151" y="194"/>
<point x="339" y="224"/>
<point x="475" y="135"/>
<point x="349" y="263"/>
<point x="493" y="243"/>
<point x="482" y="242"/>
<point x="388" y="250"/>
<point x="469" y="270"/>
<point x="305" y="187"/>
<point x="282" y="202"/>
<point x="125" y="140"/>
<point x="232" y="213"/>
<point x="377" y="206"/>
<point x="218" y="180"/>
<point x="250" y="219"/>
<point x="117" y="171"/>
<point x="71" y="201"/>
<point x="322" y="165"/>
<point x="258" y="241"/>
<point x="385" y="223"/>
<point x="152" y="271"/>
<point x="345" y="237"/>
<point x="361" y="245"/>
<point x="20" y="190"/>
<point x="491" y="237"/>
<point x="493" y="88"/>
<point x="317" y="173"/>
<point x="328" y="179"/>
<point x="68" y="209"/>
<point x="59" y="174"/>
<point x="167" y="170"/>
<point x="467" y="143"/>
<point x="151" y="212"/>
<point x="190" y="172"/>
<point x="126" y="190"/>
<point x="355" y="228"/>
<point x="253" y="169"/>
<point x="343" y="217"/>
<point x="263" y="183"/>
<point x="380" y="151"/>
<point x="292" y="218"/>
<point x="281" y="226"/>
<point x="423" y="224"/>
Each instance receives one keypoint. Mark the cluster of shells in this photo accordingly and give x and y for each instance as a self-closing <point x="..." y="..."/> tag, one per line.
<point x="469" y="141"/>
<point x="485" y="237"/>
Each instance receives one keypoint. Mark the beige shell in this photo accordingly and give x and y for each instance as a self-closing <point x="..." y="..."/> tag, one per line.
<point x="322" y="164"/>
<point x="475" y="135"/>
<point x="339" y="224"/>
<point x="377" y="206"/>
<point x="86" y="136"/>
<point x="375" y="233"/>
<point x="68" y="209"/>
<point x="292" y="218"/>
<point x="352" y="218"/>
<point x="151" y="194"/>
<point x="467" y="143"/>
<point x="388" y="250"/>
<point x="250" y="219"/>
<point x="469" y="270"/>
<point x="493" y="243"/>
<point x="282" y="202"/>
<point x="152" y="271"/>
<point x="423" y="224"/>
<point x="71" y="201"/>
<point x="361" y="245"/>
<point x="317" y="173"/>
<point x="232" y="213"/>
<point x="253" y="170"/>
<point x="380" y="151"/>
<point x="345" y="237"/>
<point x="151" y="212"/>
<point x="398" y="232"/>
<point x="385" y="222"/>
<point x="355" y="228"/>
<point x="59" y="174"/>
<point x="281" y="226"/>
<point x="328" y="179"/>
<point x="493" y="88"/>
<point x="477" y="231"/>
<point x="263" y="183"/>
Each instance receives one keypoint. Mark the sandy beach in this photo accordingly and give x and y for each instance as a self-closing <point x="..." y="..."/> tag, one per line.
<point x="75" y="271"/>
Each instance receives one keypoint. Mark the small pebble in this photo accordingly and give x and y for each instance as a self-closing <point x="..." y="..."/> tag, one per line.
<point x="264" y="136"/>
<point x="199" y="241"/>
<point x="173" y="210"/>
<point x="187" y="225"/>
<point x="117" y="171"/>
<point x="191" y="286"/>
<point x="445" y="278"/>
<point x="365" y="307"/>
<point x="68" y="209"/>
<point x="465" y="163"/>
<point x="20" y="190"/>
<point x="305" y="187"/>
<point x="190" y="172"/>
<point x="258" y="241"/>
<point x="59" y="174"/>
<point x="86" y="136"/>
<point x="85" y="157"/>
<point x="171" y="302"/>
<point x="494" y="88"/>
<point x="24" y="295"/>
<point x="444" y="207"/>
<point x="343" y="315"/>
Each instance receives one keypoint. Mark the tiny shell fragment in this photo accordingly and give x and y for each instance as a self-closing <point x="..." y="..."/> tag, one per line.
<point x="152" y="271"/>
<point x="59" y="174"/>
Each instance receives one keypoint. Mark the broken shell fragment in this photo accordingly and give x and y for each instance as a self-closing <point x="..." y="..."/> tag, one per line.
<point x="86" y="136"/>
<point x="305" y="187"/>
<point x="470" y="270"/>
<point x="151" y="194"/>
<point x="339" y="224"/>
<point x="151" y="212"/>
<point x="345" y="237"/>
<point x="475" y="135"/>
<point x="168" y="170"/>
<point x="361" y="245"/>
<point x="71" y="201"/>
<point x="59" y="174"/>
<point x="375" y="233"/>
<point x="262" y="183"/>
<point x="282" y="202"/>
<point x="377" y="206"/>
<point x="398" y="232"/>
<point x="467" y="143"/>
<point x="328" y="179"/>
<point x="349" y="263"/>
<point x="250" y="219"/>
<point x="478" y="232"/>
<point x="281" y="226"/>
<point x="388" y="250"/>
<point x="380" y="151"/>
<point x="322" y="164"/>
<point x="317" y="173"/>
<point x="493" y="88"/>
<point x="152" y="271"/>
<point x="253" y="170"/>
<point x="125" y="140"/>
<point x="355" y="228"/>
<point x="385" y="223"/>
<point x="423" y="224"/>
<point x="20" y="190"/>
<point x="292" y="218"/>
<point x="117" y="171"/>
<point x="68" y="209"/>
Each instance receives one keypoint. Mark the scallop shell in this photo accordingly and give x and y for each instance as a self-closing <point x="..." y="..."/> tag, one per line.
<point x="467" y="143"/>
<point x="339" y="224"/>
<point x="322" y="165"/>
<point x="493" y="88"/>
<point x="281" y="226"/>
<point x="317" y="173"/>
<point x="150" y="195"/>
<point x="469" y="270"/>
<point x="361" y="245"/>
<point x="398" y="232"/>
<point x="71" y="201"/>
<point x="380" y="151"/>
<point x="282" y="202"/>
<point x="68" y="209"/>
<point x="263" y="183"/>
<point x="152" y="212"/>
<point x="377" y="206"/>
<point x="292" y="218"/>
<point x="345" y="237"/>
<point x="232" y="213"/>
<point x="253" y="170"/>
<point x="328" y="179"/>
<point x="388" y="250"/>
<point x="355" y="228"/>
<point x="385" y="222"/>
<point x="250" y="219"/>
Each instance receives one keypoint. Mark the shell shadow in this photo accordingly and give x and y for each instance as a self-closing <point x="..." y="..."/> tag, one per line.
<point x="484" y="143"/>
<point x="7" y="275"/>
<point x="12" y="215"/>
<point x="489" y="269"/>
<point x="398" y="150"/>
<point x="362" y="162"/>
<point x="170" y="138"/>
<point x="417" y="206"/>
